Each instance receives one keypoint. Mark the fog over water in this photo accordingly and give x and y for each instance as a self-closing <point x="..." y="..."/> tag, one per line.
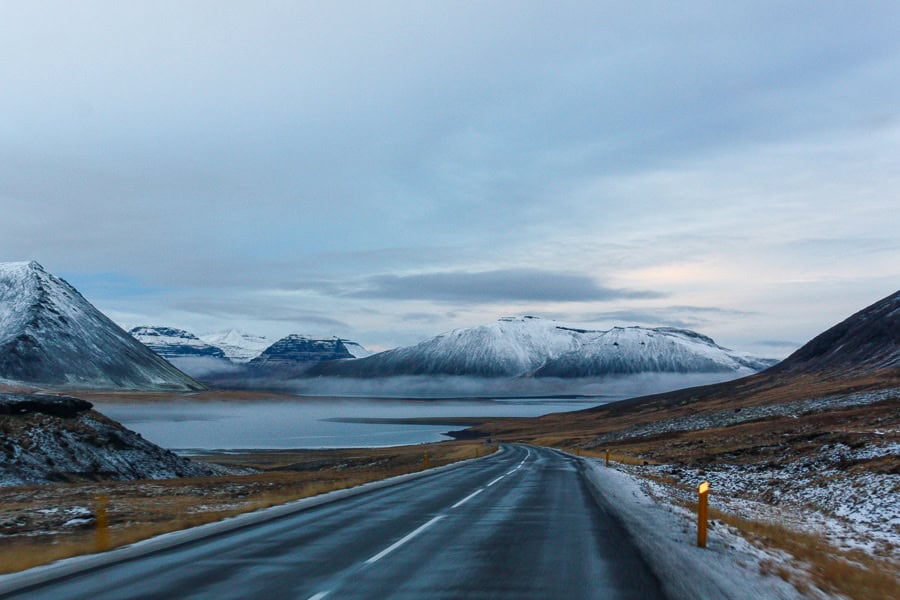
<point x="309" y="423"/>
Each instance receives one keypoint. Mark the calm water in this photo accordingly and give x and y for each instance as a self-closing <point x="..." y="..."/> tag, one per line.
<point x="305" y="423"/>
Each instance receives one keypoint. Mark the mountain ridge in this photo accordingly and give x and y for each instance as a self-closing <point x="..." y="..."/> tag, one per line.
<point x="534" y="347"/>
<point x="50" y="335"/>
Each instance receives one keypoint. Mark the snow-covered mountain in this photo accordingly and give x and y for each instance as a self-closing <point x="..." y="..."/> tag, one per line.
<point x="628" y="350"/>
<point x="51" y="336"/>
<point x="238" y="346"/>
<point x="508" y="347"/>
<point x="294" y="349"/>
<point x="522" y="346"/>
<point x="170" y="343"/>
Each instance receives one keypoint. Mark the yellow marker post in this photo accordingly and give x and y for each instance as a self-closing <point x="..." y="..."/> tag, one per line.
<point x="702" y="509"/>
<point x="425" y="461"/>
<point x="607" y="458"/>
<point x="102" y="520"/>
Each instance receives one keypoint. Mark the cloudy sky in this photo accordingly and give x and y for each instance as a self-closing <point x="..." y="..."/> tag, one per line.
<point x="387" y="171"/>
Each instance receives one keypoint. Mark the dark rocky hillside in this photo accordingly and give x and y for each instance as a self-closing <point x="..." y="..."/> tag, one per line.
<point x="866" y="341"/>
<point x="46" y="439"/>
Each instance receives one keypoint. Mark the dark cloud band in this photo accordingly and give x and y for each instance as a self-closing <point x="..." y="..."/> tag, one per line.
<point x="505" y="285"/>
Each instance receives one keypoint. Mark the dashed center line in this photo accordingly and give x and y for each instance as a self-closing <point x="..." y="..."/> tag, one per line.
<point x="420" y="529"/>
<point x="495" y="481"/>
<point x="403" y="540"/>
<point x="467" y="498"/>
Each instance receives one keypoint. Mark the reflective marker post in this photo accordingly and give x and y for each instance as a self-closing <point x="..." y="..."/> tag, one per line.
<point x="607" y="458"/>
<point x="102" y="520"/>
<point x="425" y="461"/>
<point x="702" y="508"/>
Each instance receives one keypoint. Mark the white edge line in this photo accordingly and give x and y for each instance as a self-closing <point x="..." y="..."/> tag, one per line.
<point x="467" y="498"/>
<point x="403" y="540"/>
<point x="495" y="481"/>
<point x="319" y="596"/>
<point x="42" y="574"/>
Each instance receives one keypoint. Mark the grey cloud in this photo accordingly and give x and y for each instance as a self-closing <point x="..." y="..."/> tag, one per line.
<point x="670" y="316"/>
<point x="509" y="285"/>
<point x="264" y="310"/>
<point x="310" y="143"/>
<point x="778" y="343"/>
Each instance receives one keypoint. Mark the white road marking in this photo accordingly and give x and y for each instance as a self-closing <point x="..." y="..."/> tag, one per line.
<point x="467" y="498"/>
<point x="319" y="596"/>
<point x="495" y="481"/>
<point x="403" y="540"/>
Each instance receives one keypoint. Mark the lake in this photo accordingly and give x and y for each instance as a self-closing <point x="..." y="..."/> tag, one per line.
<point x="187" y="426"/>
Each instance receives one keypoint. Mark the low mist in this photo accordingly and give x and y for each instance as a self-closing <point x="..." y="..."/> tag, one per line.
<point x="454" y="386"/>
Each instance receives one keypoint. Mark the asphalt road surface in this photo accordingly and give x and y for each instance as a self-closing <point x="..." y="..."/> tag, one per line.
<point x="519" y="524"/>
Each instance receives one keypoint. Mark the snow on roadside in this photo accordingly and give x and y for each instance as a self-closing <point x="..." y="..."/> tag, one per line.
<point x="729" y="568"/>
<point x="851" y="510"/>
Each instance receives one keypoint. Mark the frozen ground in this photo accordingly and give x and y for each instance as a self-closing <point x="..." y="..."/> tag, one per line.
<point x="728" y="418"/>
<point x="729" y="568"/>
<point x="851" y="510"/>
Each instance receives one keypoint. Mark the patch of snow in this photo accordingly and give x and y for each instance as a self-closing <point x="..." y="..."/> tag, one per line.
<point x="729" y="568"/>
<point x="238" y="346"/>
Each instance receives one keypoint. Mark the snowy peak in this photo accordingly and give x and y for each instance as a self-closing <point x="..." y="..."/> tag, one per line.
<point x="169" y="342"/>
<point x="629" y="350"/>
<point x="50" y="335"/>
<point x="517" y="346"/>
<point x="237" y="346"/>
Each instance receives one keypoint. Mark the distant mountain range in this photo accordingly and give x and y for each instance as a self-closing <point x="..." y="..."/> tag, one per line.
<point x="513" y="347"/>
<point x="535" y="347"/>
<point x="240" y="353"/>
<point x="51" y="336"/>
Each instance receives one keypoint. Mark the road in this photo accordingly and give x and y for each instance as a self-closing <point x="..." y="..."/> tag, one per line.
<point x="519" y="524"/>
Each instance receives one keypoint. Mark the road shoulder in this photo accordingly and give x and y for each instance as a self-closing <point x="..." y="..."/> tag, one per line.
<point x="666" y="536"/>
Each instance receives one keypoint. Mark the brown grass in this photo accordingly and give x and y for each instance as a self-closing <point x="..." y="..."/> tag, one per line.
<point x="143" y="509"/>
<point x="852" y="573"/>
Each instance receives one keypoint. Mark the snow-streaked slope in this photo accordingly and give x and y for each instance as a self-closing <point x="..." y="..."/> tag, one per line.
<point x="521" y="346"/>
<point x="169" y="342"/>
<point x="508" y="347"/>
<point x="295" y="349"/>
<point x="52" y="439"/>
<point x="356" y="350"/>
<point x="628" y="350"/>
<point x="51" y="336"/>
<point x="238" y="346"/>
